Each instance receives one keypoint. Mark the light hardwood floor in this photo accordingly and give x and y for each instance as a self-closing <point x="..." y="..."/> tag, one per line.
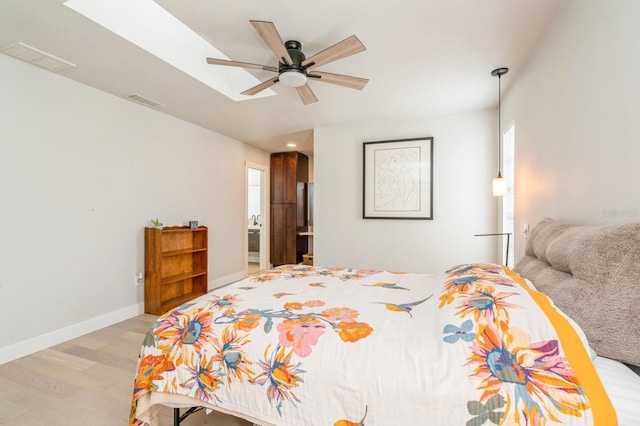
<point x="85" y="381"/>
<point x="253" y="267"/>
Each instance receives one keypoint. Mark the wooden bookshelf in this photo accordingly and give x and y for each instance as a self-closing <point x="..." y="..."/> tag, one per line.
<point x="175" y="266"/>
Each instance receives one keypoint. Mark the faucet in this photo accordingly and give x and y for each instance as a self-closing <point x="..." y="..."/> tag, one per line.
<point x="258" y="220"/>
<point x="253" y="219"/>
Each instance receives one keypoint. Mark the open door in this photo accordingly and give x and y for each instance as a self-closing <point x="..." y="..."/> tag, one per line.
<point x="256" y="218"/>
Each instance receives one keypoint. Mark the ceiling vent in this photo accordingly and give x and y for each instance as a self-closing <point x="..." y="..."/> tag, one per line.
<point x="37" y="57"/>
<point x="143" y="101"/>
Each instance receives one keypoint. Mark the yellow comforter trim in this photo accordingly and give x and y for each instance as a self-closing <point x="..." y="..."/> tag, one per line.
<point x="578" y="356"/>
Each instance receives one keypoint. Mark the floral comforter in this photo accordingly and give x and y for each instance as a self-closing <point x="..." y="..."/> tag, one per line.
<point x="300" y="345"/>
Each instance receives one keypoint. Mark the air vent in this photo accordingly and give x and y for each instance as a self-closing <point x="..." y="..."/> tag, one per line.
<point x="143" y="101"/>
<point x="37" y="57"/>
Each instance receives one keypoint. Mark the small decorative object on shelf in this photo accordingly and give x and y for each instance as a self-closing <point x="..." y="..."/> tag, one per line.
<point x="155" y="223"/>
<point x="175" y="266"/>
<point x="193" y="224"/>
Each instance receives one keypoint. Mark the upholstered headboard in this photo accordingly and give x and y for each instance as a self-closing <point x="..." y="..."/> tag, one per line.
<point x="592" y="273"/>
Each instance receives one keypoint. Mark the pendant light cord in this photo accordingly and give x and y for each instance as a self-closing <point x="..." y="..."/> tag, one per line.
<point x="499" y="128"/>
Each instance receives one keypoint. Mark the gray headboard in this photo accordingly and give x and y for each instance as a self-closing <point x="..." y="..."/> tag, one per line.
<point x="592" y="273"/>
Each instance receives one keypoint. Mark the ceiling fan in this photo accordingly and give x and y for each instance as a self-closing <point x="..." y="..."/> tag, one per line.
<point x="294" y="68"/>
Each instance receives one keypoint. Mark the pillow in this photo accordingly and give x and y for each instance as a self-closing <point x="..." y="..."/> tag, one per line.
<point x="576" y="327"/>
<point x="540" y="237"/>
<point x="592" y="273"/>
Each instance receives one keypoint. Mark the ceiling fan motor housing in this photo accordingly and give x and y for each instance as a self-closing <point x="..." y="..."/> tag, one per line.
<point x="293" y="75"/>
<point x="297" y="57"/>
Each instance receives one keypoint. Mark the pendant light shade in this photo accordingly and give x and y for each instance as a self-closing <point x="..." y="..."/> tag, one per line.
<point x="499" y="186"/>
<point x="499" y="183"/>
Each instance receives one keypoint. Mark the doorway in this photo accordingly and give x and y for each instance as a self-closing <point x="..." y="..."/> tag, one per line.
<point x="256" y="218"/>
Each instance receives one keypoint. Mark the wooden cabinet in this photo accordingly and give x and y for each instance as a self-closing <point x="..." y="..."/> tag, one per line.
<point x="175" y="266"/>
<point x="288" y="170"/>
<point x="283" y="234"/>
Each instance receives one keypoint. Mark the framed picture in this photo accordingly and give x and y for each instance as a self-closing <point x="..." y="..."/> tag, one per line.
<point x="398" y="179"/>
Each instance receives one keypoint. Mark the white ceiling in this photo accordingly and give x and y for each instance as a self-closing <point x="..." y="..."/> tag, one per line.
<point x="423" y="57"/>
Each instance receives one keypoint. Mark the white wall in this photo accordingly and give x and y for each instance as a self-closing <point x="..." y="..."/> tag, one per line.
<point x="465" y="161"/>
<point x="81" y="173"/>
<point x="576" y="108"/>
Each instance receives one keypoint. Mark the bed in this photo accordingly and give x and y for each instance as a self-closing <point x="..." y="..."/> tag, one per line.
<point x="477" y="344"/>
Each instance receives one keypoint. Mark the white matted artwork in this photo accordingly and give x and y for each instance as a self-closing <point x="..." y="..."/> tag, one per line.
<point x="398" y="179"/>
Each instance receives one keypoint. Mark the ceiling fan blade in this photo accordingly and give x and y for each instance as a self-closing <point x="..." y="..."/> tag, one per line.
<point x="306" y="94"/>
<point x="343" y="80"/>
<point x="347" y="47"/>
<point x="216" y="61"/>
<point x="260" y="87"/>
<point x="270" y="36"/>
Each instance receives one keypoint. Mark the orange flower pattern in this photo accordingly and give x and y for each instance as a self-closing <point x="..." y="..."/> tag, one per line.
<point x="353" y="331"/>
<point x="280" y="375"/>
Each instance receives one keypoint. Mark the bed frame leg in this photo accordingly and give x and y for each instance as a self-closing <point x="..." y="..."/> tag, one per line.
<point x="177" y="418"/>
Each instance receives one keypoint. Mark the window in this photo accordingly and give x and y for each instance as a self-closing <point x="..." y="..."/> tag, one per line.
<point x="508" y="201"/>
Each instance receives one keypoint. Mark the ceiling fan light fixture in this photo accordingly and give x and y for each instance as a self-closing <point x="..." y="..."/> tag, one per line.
<point x="293" y="78"/>
<point x="293" y="65"/>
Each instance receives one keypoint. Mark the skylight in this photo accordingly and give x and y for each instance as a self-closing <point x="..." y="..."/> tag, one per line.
<point x="147" y="25"/>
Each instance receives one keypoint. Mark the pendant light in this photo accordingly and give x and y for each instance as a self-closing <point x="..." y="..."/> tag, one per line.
<point x="499" y="183"/>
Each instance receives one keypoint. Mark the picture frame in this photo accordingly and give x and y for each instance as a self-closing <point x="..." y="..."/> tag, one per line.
<point x="398" y="179"/>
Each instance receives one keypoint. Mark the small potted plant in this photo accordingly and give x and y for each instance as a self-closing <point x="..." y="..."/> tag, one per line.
<point x="155" y="223"/>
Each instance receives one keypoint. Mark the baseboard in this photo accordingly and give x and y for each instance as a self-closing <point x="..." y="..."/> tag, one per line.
<point x="221" y="282"/>
<point x="38" y="343"/>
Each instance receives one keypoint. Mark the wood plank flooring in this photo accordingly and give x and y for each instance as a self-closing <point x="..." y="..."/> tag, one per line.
<point x="85" y="381"/>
